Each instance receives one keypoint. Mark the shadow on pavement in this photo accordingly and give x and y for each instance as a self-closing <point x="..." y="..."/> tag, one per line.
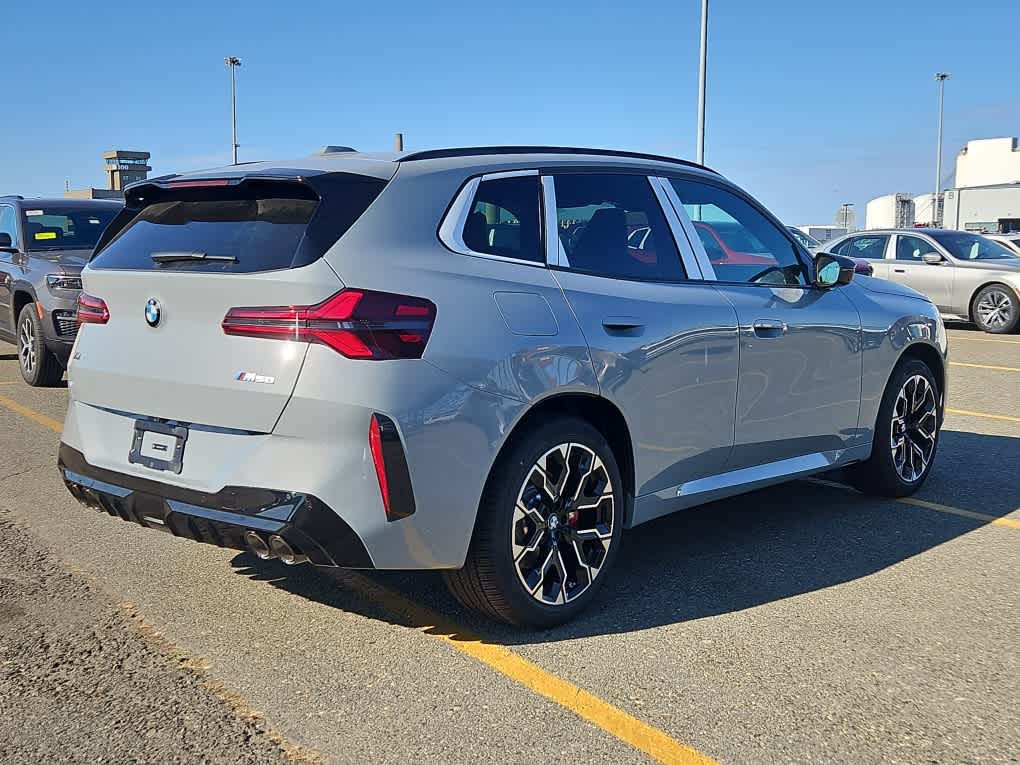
<point x="8" y="357"/>
<point x="726" y="556"/>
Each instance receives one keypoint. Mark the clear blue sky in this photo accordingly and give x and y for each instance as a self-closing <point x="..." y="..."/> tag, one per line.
<point x="811" y="102"/>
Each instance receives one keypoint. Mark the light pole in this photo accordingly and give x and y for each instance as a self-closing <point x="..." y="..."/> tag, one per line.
<point x="702" y="75"/>
<point x="940" y="78"/>
<point x="844" y="212"/>
<point x="233" y="62"/>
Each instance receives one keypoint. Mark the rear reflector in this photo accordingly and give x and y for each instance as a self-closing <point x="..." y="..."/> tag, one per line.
<point x="91" y="310"/>
<point x="356" y="323"/>
<point x="390" y="467"/>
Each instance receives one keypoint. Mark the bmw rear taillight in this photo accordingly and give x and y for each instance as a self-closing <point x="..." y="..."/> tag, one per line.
<point x="359" y="324"/>
<point x="91" y="310"/>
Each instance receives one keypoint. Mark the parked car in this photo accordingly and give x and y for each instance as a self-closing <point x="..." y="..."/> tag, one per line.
<point x="861" y="266"/>
<point x="1010" y="241"/>
<point x="331" y="359"/>
<point x="43" y="245"/>
<point x="968" y="276"/>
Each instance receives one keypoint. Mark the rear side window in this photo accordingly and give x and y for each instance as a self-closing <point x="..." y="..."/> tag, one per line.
<point x="868" y="247"/>
<point x="253" y="226"/>
<point x="504" y="219"/>
<point x="612" y="225"/>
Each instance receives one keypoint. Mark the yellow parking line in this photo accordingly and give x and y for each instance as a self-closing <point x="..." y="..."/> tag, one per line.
<point x="983" y="366"/>
<point x="993" y="519"/>
<point x="24" y="411"/>
<point x="640" y="735"/>
<point x="968" y="413"/>
<point x="984" y="340"/>
<point x="8" y="382"/>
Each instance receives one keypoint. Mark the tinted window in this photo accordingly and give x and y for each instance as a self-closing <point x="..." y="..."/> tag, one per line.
<point x="257" y="225"/>
<point x="8" y="223"/>
<point x="843" y="248"/>
<point x="504" y="219"/>
<point x="612" y="225"/>
<point x="870" y="247"/>
<point x="808" y="241"/>
<point x="971" y="246"/>
<point x="912" y="248"/>
<point x="743" y="245"/>
<point x="65" y="228"/>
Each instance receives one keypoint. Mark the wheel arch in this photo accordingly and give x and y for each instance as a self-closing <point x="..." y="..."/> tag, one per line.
<point x="977" y="291"/>
<point x="932" y="358"/>
<point x="21" y="295"/>
<point x="598" y="412"/>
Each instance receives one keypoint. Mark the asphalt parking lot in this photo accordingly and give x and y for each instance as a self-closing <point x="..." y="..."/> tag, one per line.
<point x="803" y="623"/>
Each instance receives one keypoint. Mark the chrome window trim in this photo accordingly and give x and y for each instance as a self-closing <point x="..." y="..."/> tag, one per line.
<point x="452" y="228"/>
<point x="555" y="255"/>
<point x="700" y="256"/>
<point x="688" y="255"/>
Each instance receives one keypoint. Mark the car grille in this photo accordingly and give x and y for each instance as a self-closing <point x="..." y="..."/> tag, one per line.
<point x="65" y="323"/>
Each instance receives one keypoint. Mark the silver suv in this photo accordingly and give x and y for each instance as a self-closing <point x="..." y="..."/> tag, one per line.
<point x="463" y="360"/>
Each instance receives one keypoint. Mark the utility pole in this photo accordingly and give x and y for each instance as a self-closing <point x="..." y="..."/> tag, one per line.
<point x="702" y="75"/>
<point x="233" y="62"/>
<point x="936" y="216"/>
<point x="845" y="214"/>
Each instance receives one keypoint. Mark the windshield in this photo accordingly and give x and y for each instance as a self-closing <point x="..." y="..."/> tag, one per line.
<point x="964" y="246"/>
<point x="66" y="228"/>
<point x="808" y="241"/>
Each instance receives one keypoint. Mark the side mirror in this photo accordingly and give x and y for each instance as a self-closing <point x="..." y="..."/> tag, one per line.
<point x="932" y="258"/>
<point x="833" y="270"/>
<point x="6" y="245"/>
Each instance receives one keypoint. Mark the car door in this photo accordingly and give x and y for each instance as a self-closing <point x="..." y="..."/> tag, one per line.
<point x="799" y="385"/>
<point x="663" y="342"/>
<point x="870" y="247"/>
<point x="932" y="279"/>
<point x="8" y="226"/>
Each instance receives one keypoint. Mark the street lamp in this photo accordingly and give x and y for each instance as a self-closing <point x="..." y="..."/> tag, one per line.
<point x="702" y="76"/>
<point x="940" y="78"/>
<point x="233" y="62"/>
<point x="844" y="212"/>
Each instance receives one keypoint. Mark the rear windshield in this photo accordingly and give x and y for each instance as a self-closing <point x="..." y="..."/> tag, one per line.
<point x="66" y="228"/>
<point x="260" y="226"/>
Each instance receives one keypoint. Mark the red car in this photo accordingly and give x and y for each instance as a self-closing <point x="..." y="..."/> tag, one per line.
<point x="719" y="252"/>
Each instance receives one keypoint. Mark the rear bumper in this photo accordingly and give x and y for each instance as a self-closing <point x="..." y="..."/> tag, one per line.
<point x="305" y="522"/>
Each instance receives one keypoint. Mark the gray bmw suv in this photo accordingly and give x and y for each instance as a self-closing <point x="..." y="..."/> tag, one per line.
<point x="43" y="245"/>
<point x="461" y="359"/>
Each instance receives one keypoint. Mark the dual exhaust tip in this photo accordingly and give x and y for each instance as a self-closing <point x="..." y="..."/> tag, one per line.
<point x="275" y="547"/>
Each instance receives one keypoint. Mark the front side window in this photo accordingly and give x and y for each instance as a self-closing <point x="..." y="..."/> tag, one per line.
<point x="612" y="225"/>
<point x="912" y="248"/>
<point x="504" y="219"/>
<point x="9" y="224"/>
<point x="843" y="248"/>
<point x="66" y="228"/>
<point x="868" y="247"/>
<point x="742" y="244"/>
<point x="965" y="246"/>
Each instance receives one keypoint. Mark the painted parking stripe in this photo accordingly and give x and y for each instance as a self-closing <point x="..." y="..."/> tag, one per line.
<point x="1008" y="523"/>
<point x="623" y="726"/>
<point x="986" y="415"/>
<point x="983" y="366"/>
<point x="954" y="338"/>
<point x="640" y="735"/>
<point x="24" y="411"/>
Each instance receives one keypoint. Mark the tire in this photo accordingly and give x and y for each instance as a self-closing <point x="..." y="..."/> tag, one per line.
<point x="996" y="309"/>
<point x="499" y="561"/>
<point x="900" y="471"/>
<point x="39" y="366"/>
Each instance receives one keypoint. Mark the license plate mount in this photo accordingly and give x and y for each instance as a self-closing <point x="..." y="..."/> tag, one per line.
<point x="158" y="445"/>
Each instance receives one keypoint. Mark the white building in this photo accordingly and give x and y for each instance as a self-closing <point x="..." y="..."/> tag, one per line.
<point x="988" y="162"/>
<point x="989" y="209"/>
<point x="924" y="210"/>
<point x="889" y="211"/>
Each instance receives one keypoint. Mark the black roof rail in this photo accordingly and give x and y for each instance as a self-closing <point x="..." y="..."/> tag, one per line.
<point x="471" y="151"/>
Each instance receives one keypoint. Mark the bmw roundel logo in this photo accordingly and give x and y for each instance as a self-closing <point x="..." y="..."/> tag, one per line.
<point x="153" y="312"/>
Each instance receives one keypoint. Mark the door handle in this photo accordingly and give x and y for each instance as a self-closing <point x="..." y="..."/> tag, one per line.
<point x="622" y="323"/>
<point x="899" y="270"/>
<point x="769" y="328"/>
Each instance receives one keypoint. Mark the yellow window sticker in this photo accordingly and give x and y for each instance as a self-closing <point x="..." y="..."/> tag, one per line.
<point x="46" y="235"/>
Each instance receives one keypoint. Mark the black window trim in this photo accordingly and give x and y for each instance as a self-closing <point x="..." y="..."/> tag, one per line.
<point x="801" y="253"/>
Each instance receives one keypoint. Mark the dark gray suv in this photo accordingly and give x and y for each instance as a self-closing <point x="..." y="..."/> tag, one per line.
<point x="43" y="245"/>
